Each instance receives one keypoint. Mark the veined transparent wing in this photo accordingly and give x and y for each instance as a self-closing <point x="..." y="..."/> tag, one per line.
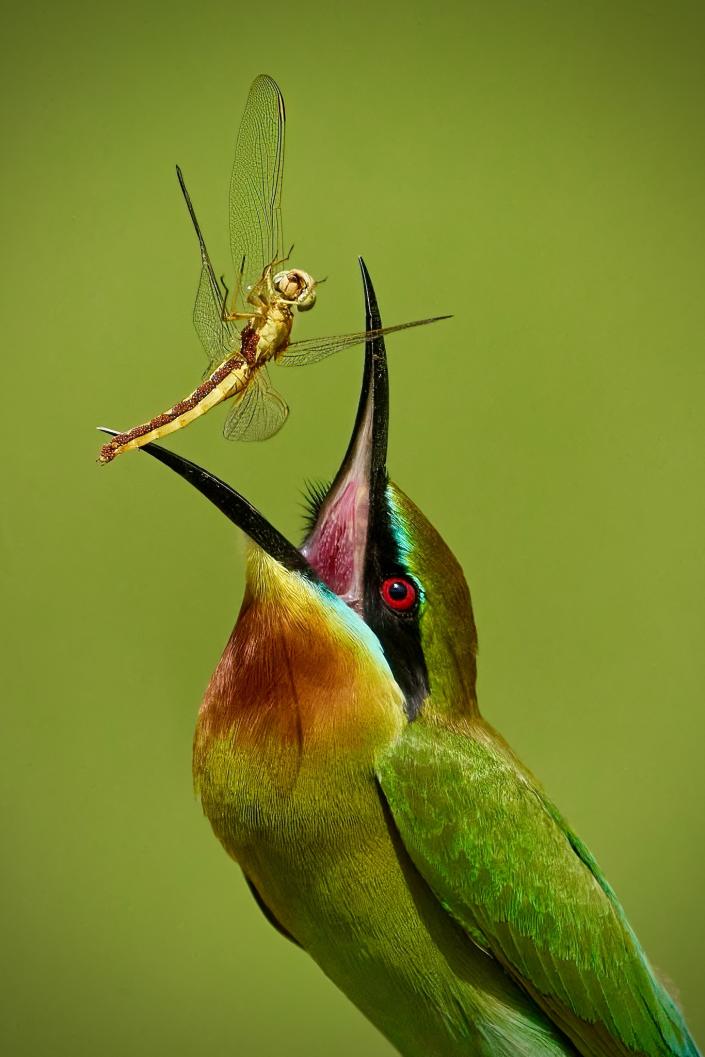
<point x="311" y="350"/>
<point x="218" y="336"/>
<point x="260" y="411"/>
<point x="256" y="182"/>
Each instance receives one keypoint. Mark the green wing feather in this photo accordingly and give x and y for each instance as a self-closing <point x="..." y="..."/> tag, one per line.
<point x="506" y="866"/>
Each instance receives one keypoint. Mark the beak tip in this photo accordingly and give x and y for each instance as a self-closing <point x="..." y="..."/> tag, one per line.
<point x="373" y="321"/>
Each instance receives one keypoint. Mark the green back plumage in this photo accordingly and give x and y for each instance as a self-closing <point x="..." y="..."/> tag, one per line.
<point x="504" y="863"/>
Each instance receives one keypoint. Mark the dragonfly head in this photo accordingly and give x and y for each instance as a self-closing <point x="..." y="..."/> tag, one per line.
<point x="296" y="287"/>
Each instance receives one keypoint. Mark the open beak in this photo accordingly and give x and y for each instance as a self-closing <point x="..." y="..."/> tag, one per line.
<point x="336" y="546"/>
<point x="335" y="550"/>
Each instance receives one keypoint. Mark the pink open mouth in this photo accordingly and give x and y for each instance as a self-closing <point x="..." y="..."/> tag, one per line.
<point x="336" y="546"/>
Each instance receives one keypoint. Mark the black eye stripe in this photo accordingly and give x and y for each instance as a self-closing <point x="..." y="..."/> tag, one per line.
<point x="398" y="630"/>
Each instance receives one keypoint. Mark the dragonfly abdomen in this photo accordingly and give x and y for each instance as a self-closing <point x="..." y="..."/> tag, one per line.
<point x="228" y="379"/>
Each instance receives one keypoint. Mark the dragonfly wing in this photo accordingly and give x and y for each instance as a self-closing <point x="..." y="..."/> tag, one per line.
<point x="260" y="411"/>
<point x="256" y="182"/>
<point x="311" y="350"/>
<point x="217" y="335"/>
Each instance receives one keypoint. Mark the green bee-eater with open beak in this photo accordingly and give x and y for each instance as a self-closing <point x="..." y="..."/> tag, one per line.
<point x="380" y="822"/>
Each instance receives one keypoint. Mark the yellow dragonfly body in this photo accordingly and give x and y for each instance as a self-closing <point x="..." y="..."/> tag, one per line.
<point x="241" y="339"/>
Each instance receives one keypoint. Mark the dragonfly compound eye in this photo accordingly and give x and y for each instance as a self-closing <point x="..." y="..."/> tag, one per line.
<point x="297" y="287"/>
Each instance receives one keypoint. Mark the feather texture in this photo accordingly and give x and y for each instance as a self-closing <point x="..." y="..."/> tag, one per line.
<point x="505" y="864"/>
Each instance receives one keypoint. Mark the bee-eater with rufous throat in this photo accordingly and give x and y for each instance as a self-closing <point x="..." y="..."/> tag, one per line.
<point x="381" y="823"/>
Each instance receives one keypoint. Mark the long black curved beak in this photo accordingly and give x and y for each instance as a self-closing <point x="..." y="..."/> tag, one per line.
<point x="362" y="472"/>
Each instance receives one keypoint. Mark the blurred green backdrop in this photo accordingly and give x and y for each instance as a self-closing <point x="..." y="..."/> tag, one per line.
<point x="537" y="169"/>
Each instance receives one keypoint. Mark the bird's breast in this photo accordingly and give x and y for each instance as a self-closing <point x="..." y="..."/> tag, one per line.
<point x="295" y="716"/>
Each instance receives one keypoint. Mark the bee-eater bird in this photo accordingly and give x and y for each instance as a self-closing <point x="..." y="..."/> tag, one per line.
<point x="381" y="823"/>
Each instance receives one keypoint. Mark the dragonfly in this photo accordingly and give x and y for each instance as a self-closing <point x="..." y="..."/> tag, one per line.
<point x="243" y="331"/>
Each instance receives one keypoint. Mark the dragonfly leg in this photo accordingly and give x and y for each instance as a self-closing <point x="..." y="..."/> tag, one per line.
<point x="237" y="289"/>
<point x="231" y="317"/>
<point x="261" y="294"/>
<point x="281" y="260"/>
<point x="224" y="302"/>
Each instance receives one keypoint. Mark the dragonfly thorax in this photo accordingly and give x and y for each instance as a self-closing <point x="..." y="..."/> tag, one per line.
<point x="296" y="287"/>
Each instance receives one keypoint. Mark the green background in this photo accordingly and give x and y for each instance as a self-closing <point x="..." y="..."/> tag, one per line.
<point x="538" y="169"/>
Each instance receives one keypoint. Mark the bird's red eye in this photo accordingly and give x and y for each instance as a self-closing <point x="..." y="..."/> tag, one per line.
<point x="399" y="594"/>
